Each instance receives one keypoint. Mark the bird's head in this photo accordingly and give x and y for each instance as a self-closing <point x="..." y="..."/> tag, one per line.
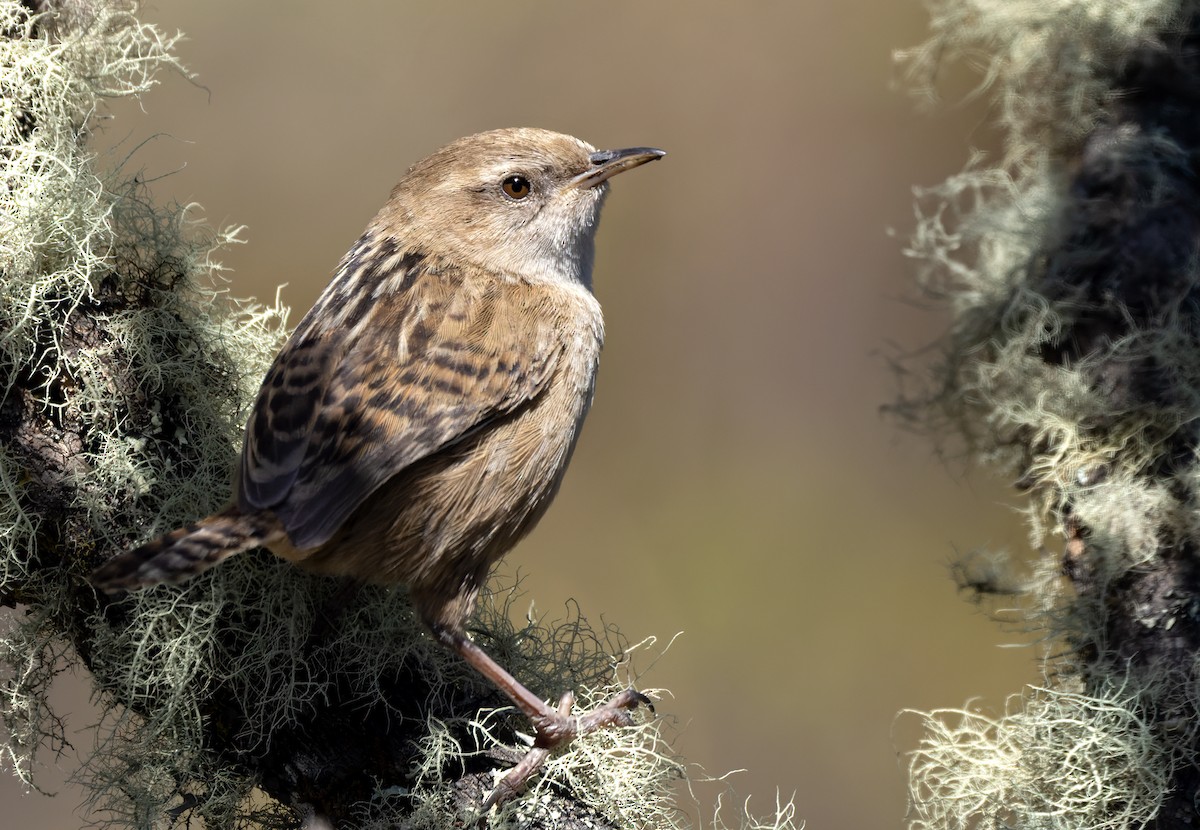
<point x="520" y="201"/>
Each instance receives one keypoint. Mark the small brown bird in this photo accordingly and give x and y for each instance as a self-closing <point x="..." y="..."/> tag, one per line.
<point x="420" y="418"/>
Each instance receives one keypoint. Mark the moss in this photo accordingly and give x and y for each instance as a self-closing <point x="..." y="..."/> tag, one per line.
<point x="1058" y="758"/>
<point x="1071" y="367"/>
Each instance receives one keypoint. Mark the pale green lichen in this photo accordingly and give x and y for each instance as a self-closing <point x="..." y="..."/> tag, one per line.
<point x="1091" y="747"/>
<point x="105" y="315"/>
<point x="1057" y="759"/>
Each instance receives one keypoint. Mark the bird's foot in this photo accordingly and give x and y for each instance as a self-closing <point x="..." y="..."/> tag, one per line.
<point x="558" y="727"/>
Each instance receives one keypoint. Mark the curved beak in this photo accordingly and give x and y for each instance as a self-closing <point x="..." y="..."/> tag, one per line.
<point x="608" y="163"/>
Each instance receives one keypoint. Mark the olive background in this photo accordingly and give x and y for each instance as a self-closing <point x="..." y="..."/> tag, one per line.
<point x="736" y="481"/>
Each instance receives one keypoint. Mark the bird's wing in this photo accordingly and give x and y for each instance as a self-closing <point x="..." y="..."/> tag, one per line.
<point x="395" y="374"/>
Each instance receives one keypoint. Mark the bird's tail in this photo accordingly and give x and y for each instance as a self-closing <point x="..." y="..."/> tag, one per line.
<point x="183" y="553"/>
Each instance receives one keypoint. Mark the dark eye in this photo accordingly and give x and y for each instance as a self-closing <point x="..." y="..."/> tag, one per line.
<point x="516" y="187"/>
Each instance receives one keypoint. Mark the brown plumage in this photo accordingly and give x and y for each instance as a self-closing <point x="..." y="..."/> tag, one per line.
<point x="420" y="418"/>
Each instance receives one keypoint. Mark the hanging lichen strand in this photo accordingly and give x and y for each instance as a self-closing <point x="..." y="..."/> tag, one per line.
<point x="1073" y="368"/>
<point x="123" y="377"/>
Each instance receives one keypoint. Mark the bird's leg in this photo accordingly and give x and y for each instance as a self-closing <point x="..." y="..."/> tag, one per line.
<point x="554" y="727"/>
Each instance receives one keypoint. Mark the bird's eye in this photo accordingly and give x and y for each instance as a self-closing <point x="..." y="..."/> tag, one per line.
<point x="516" y="187"/>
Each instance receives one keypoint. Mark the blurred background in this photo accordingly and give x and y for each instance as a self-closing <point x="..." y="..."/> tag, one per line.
<point x="736" y="481"/>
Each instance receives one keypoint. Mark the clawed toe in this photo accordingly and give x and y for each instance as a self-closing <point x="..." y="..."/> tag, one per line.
<point x="630" y="699"/>
<point x="554" y="727"/>
<point x="617" y="711"/>
<point x="558" y="727"/>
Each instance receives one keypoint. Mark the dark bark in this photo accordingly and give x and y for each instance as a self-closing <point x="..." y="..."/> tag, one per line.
<point x="1121" y="265"/>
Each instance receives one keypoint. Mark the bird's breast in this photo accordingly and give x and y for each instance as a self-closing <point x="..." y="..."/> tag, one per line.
<point x="464" y="507"/>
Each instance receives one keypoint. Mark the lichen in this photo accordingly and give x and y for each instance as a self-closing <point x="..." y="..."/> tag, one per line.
<point x="1057" y="758"/>
<point x="1071" y="367"/>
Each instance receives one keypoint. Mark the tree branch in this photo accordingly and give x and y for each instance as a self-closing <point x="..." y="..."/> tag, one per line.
<point x="1073" y="366"/>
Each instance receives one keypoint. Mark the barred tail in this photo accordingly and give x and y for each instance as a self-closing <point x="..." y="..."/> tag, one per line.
<point x="183" y="553"/>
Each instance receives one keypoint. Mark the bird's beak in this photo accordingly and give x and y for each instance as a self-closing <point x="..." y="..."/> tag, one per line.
<point x="608" y="163"/>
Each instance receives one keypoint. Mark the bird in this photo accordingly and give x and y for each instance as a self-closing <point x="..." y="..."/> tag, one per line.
<point x="419" y="420"/>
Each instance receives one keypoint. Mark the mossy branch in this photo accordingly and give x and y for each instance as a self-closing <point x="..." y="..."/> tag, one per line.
<point x="1073" y="368"/>
<point x="256" y="695"/>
